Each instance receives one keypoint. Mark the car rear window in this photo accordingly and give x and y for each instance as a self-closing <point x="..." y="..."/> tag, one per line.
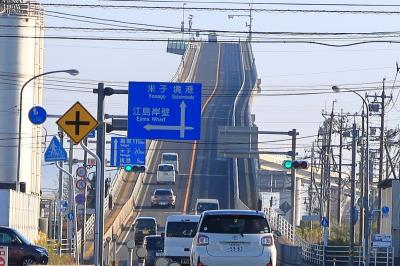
<point x="234" y="224"/>
<point x="206" y="207"/>
<point x="145" y="223"/>
<point x="165" y="168"/>
<point x="181" y="229"/>
<point x="163" y="193"/>
<point x="169" y="157"/>
<point x="154" y="243"/>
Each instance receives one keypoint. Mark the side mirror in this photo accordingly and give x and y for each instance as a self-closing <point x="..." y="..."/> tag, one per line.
<point x="277" y="233"/>
<point x="162" y="235"/>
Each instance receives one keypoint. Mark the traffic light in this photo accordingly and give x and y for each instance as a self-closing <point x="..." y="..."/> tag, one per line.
<point x="287" y="164"/>
<point x="135" y="168"/>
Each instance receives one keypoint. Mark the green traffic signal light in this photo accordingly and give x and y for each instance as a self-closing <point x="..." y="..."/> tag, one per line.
<point x="128" y="168"/>
<point x="287" y="164"/>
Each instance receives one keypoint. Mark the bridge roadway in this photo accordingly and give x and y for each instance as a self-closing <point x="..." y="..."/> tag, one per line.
<point x="202" y="173"/>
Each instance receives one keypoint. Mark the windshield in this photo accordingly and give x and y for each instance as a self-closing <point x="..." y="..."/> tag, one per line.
<point x="163" y="193"/>
<point x="165" y="168"/>
<point x="170" y="157"/>
<point x="181" y="229"/>
<point x="145" y="224"/>
<point x="234" y="224"/>
<point x="206" y="207"/>
<point x="155" y="243"/>
<point x="22" y="238"/>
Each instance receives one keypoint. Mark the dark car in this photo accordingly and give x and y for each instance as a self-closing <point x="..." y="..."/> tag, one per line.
<point x="20" y="250"/>
<point x="155" y="248"/>
<point x="144" y="226"/>
<point x="163" y="197"/>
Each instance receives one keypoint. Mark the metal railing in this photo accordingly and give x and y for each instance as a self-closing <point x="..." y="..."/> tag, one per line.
<point x="281" y="224"/>
<point x="339" y="255"/>
<point x="65" y="245"/>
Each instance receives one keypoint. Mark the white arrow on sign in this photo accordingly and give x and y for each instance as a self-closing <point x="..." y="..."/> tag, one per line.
<point x="115" y="151"/>
<point x="181" y="127"/>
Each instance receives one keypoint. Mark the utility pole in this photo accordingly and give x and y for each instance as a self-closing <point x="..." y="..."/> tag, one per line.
<point x="381" y="154"/>
<point x="100" y="148"/>
<point x="361" y="178"/>
<point x="339" y="213"/>
<point x="328" y="166"/>
<point x="83" y="239"/>
<point x="60" y="195"/>
<point x="71" y="194"/>
<point x="352" y="192"/>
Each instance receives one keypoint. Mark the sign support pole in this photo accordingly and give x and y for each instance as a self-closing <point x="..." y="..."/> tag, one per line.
<point x="97" y="230"/>
<point x="73" y="208"/>
<point x="60" y="196"/>
<point x="71" y="191"/>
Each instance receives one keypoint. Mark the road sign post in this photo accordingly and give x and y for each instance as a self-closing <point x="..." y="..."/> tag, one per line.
<point x="127" y="152"/>
<point x="158" y="110"/>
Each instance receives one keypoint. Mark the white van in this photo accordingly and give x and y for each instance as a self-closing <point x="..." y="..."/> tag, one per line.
<point x="166" y="174"/>
<point x="206" y="205"/>
<point x="179" y="233"/>
<point x="171" y="158"/>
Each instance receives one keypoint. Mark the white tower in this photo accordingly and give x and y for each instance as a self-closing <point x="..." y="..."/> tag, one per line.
<point x="21" y="58"/>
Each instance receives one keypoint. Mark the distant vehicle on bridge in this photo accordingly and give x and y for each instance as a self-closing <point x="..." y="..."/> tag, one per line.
<point x="212" y="37"/>
<point x="166" y="174"/>
<point x="163" y="197"/>
<point x="179" y="233"/>
<point x="144" y="226"/>
<point x="206" y="205"/>
<point x="171" y="158"/>
<point x="234" y="238"/>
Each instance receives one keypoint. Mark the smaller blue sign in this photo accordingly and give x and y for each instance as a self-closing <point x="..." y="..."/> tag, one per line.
<point x="353" y="215"/>
<point x="64" y="203"/>
<point x="92" y="134"/>
<point x="80" y="199"/>
<point x="55" y="152"/>
<point x="324" y="222"/>
<point x="37" y="115"/>
<point x="70" y="216"/>
<point x="385" y="210"/>
<point x="126" y="151"/>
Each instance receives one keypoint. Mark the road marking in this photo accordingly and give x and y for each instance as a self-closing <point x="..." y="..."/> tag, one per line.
<point x="194" y="146"/>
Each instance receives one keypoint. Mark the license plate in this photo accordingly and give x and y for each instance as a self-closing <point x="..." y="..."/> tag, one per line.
<point x="163" y="203"/>
<point x="185" y="261"/>
<point x="146" y="232"/>
<point x="165" y="174"/>
<point x="235" y="247"/>
<point x="159" y="254"/>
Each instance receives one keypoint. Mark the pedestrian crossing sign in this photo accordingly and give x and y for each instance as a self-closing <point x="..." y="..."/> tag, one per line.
<point x="55" y="152"/>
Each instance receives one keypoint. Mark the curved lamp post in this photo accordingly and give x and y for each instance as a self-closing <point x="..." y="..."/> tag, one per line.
<point x="366" y="178"/>
<point x="72" y="72"/>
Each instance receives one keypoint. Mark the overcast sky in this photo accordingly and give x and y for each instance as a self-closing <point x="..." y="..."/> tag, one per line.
<point x="283" y="68"/>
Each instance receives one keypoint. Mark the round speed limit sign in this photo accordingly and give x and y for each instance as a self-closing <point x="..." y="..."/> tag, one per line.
<point x="81" y="172"/>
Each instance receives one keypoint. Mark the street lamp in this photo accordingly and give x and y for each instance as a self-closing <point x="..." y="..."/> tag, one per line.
<point x="72" y="72"/>
<point x="366" y="178"/>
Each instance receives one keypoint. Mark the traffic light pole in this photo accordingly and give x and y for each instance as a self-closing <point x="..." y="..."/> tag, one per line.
<point x="295" y="211"/>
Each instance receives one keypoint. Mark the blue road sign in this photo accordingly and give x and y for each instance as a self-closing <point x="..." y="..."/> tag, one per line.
<point x="64" y="203"/>
<point x="70" y="216"/>
<point x="80" y="199"/>
<point x="385" y="211"/>
<point x="127" y="152"/>
<point x="324" y="222"/>
<point x="37" y="115"/>
<point x="161" y="110"/>
<point x="55" y="152"/>
<point x="92" y="134"/>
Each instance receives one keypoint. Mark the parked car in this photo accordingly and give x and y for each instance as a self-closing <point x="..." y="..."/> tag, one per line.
<point x="163" y="197"/>
<point x="179" y="233"/>
<point x="171" y="158"/>
<point x="20" y="250"/>
<point x="206" y="205"/>
<point x="234" y="238"/>
<point x="166" y="174"/>
<point x="154" y="246"/>
<point x="144" y="226"/>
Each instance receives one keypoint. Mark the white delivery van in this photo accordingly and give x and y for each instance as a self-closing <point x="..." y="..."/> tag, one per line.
<point x="166" y="174"/>
<point x="206" y="205"/>
<point x="179" y="233"/>
<point x="171" y="158"/>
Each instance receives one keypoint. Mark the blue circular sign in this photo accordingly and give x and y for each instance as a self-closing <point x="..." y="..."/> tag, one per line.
<point x="385" y="210"/>
<point x="80" y="199"/>
<point x="70" y="216"/>
<point x="37" y="115"/>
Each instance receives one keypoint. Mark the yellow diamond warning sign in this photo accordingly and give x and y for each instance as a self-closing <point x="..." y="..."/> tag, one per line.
<point x="77" y="122"/>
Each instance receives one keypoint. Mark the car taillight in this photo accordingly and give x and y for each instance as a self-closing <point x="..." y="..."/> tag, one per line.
<point x="200" y="263"/>
<point x="267" y="241"/>
<point x="202" y="240"/>
<point x="269" y="263"/>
